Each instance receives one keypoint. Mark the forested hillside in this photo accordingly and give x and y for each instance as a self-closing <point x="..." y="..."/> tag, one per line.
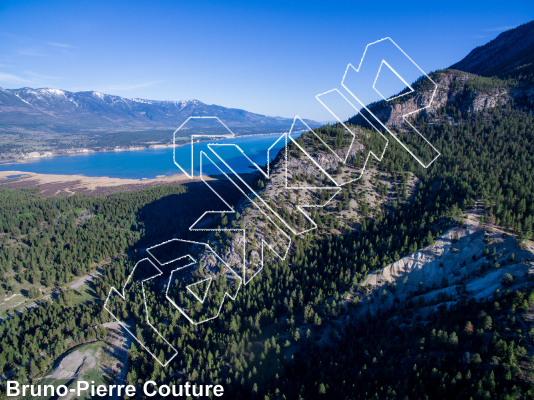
<point x="299" y="303"/>
<point x="285" y="332"/>
<point x="297" y="330"/>
<point x="46" y="243"/>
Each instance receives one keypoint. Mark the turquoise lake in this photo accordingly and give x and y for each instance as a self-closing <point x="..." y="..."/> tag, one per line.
<point x="151" y="163"/>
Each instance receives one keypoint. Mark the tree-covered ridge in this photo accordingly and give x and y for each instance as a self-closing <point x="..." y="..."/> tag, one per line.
<point x="510" y="55"/>
<point x="487" y="156"/>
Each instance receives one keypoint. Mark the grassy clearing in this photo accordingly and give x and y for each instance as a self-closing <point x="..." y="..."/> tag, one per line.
<point x="17" y="298"/>
<point x="84" y="294"/>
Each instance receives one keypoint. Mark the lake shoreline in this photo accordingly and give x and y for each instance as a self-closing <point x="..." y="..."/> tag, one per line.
<point x="68" y="185"/>
<point x="91" y="182"/>
<point x="134" y="167"/>
<point x="25" y="158"/>
<point x="50" y="185"/>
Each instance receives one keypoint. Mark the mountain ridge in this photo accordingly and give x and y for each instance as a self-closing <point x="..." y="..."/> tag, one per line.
<point x="62" y="111"/>
<point x="509" y="55"/>
<point x="498" y="72"/>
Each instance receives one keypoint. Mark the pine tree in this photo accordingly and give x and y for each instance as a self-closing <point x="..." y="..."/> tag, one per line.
<point x="322" y="389"/>
<point x="34" y="370"/>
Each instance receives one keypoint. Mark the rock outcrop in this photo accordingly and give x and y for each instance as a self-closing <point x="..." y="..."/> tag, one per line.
<point x="452" y="87"/>
<point x="454" y="267"/>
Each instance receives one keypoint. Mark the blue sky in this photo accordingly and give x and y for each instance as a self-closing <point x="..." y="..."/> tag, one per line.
<point x="268" y="57"/>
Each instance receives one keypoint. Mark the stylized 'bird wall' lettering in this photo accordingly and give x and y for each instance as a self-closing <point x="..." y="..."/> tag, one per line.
<point x="281" y="213"/>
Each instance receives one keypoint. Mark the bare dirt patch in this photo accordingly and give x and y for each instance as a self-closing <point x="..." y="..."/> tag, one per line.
<point x="73" y="366"/>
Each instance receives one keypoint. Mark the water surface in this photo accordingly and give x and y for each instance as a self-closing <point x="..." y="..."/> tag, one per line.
<point x="150" y="163"/>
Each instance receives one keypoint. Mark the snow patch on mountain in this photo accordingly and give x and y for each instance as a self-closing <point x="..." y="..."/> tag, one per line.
<point x="21" y="99"/>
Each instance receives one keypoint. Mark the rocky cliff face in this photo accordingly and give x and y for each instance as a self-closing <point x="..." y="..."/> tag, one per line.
<point x="468" y="83"/>
<point x="452" y="87"/>
<point x="450" y="269"/>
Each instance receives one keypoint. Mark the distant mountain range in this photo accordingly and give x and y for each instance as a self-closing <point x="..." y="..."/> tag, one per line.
<point x="29" y="110"/>
<point x="58" y="121"/>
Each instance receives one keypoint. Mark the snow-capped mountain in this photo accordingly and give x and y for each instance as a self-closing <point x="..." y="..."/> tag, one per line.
<point x="55" y="110"/>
